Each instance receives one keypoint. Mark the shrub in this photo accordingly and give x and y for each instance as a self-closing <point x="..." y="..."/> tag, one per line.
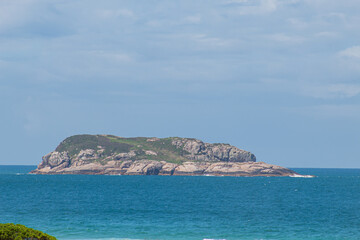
<point x="10" y="231"/>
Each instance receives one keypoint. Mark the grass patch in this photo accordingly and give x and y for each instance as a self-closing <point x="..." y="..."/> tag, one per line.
<point x="77" y="143"/>
<point x="113" y="145"/>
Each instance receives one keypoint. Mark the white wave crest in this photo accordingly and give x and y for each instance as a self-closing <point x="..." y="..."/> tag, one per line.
<point x="301" y="176"/>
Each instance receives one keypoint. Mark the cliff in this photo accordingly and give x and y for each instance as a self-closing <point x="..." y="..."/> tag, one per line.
<point x="108" y="154"/>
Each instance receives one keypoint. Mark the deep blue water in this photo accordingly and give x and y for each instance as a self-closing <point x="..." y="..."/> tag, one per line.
<point x="179" y="207"/>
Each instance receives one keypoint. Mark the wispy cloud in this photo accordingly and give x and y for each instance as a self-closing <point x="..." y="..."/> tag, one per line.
<point x="254" y="7"/>
<point x="284" y="38"/>
<point x="115" y="13"/>
<point x="351" y="52"/>
<point x="193" y="19"/>
<point x="327" y="34"/>
<point x="113" y="56"/>
<point x="211" y="41"/>
<point x="298" y="23"/>
<point x="13" y="13"/>
<point x="236" y="1"/>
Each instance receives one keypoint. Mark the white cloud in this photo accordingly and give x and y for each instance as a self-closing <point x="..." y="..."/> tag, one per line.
<point x="281" y="37"/>
<point x="200" y="40"/>
<point x="273" y="81"/>
<point x="297" y="23"/>
<point x="187" y="20"/>
<point x="109" y="13"/>
<point x="193" y="19"/>
<point x="351" y="52"/>
<point x="17" y="13"/>
<point x="11" y="12"/>
<point x="121" y="57"/>
<point x="327" y="34"/>
<point x="236" y="1"/>
<point x="210" y="41"/>
<point x="259" y="7"/>
<point x="268" y="5"/>
<point x="154" y="23"/>
<point x="336" y="15"/>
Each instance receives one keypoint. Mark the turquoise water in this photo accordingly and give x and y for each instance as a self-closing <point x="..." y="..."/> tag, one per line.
<point x="179" y="207"/>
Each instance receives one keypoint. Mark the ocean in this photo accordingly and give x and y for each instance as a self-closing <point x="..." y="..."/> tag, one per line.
<point x="184" y="207"/>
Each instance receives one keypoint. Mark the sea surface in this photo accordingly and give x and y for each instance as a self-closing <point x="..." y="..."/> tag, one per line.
<point x="184" y="207"/>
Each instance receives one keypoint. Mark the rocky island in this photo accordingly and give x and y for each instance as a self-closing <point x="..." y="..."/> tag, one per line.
<point x="112" y="155"/>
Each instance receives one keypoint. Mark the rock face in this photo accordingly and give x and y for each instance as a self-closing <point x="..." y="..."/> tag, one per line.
<point x="200" y="151"/>
<point x="111" y="155"/>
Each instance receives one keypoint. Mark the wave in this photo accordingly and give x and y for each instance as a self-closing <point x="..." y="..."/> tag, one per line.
<point x="301" y="176"/>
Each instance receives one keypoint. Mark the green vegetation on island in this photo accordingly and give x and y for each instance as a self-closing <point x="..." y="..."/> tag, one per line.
<point x="165" y="150"/>
<point x="10" y="231"/>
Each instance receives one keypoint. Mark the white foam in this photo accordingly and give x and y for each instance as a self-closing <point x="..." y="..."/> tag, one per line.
<point x="301" y="176"/>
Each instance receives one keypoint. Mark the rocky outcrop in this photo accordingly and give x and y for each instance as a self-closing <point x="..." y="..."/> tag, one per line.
<point x="200" y="151"/>
<point x="103" y="154"/>
<point x="148" y="167"/>
<point x="55" y="159"/>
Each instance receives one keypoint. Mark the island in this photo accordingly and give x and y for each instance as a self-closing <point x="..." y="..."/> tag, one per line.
<point x="113" y="155"/>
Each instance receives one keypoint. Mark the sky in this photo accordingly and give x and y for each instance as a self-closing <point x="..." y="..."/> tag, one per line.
<point x="279" y="78"/>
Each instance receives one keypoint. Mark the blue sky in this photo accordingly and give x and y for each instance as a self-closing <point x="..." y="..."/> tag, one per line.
<point x="278" y="78"/>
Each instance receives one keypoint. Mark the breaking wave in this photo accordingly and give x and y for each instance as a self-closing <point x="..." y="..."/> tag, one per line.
<point x="301" y="176"/>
